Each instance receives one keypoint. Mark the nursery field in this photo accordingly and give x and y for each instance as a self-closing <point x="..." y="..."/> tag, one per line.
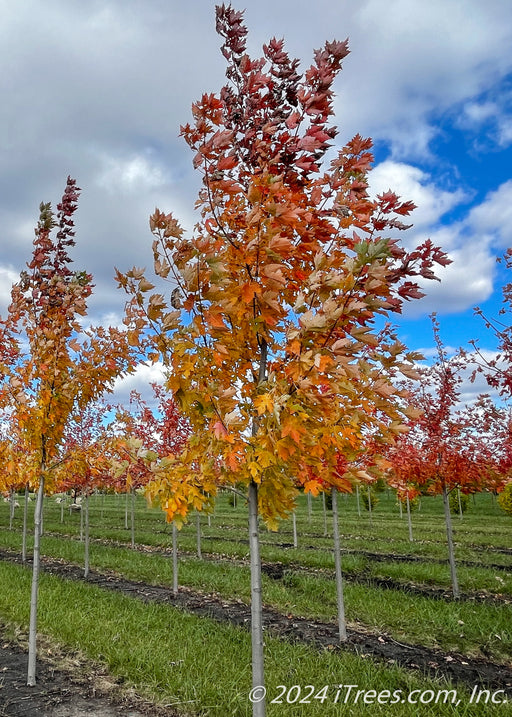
<point x="124" y="634"/>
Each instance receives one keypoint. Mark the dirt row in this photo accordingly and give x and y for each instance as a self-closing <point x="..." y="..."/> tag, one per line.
<point x="450" y="665"/>
<point x="67" y="686"/>
<point x="278" y="571"/>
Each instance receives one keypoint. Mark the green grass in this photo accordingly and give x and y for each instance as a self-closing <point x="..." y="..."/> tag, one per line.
<point x="470" y="628"/>
<point x="199" y="666"/>
<point x="202" y="666"/>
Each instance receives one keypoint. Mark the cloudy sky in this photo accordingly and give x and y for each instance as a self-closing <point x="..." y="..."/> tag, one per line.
<point x="98" y="89"/>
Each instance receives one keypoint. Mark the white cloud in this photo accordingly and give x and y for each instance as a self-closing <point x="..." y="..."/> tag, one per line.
<point x="471" y="242"/>
<point x="494" y="216"/>
<point x="130" y="175"/>
<point x="7" y="278"/>
<point x="139" y="381"/>
<point x="413" y="184"/>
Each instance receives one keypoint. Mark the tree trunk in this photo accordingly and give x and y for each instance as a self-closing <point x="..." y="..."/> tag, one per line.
<point x="132" y="517"/>
<point x="370" y="506"/>
<point x="324" y="510"/>
<point x="31" y="674"/>
<point x="258" y="678"/>
<point x="409" y="521"/>
<point x="310" y="507"/>
<point x="449" y="536"/>
<point x="294" y="525"/>
<point x="174" y="559"/>
<point x="198" y="531"/>
<point x="86" y="550"/>
<point x="126" y="511"/>
<point x="460" y="504"/>
<point x="11" y="508"/>
<point x="81" y="522"/>
<point x="358" y="501"/>
<point x="25" y="520"/>
<point x="62" y="510"/>
<point x="342" y="625"/>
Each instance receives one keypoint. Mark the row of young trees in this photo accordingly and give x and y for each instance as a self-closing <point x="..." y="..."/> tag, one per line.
<point x="266" y="318"/>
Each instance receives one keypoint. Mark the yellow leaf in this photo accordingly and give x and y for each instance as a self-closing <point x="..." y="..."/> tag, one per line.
<point x="263" y="403"/>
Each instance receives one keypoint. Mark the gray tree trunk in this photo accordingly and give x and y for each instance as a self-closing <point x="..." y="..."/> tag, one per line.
<point x="86" y="547"/>
<point x="310" y="507"/>
<point x="32" y="635"/>
<point x="358" y="501"/>
<point x="132" y="518"/>
<point x="11" y="508"/>
<point x="370" y="506"/>
<point x="342" y="625"/>
<point x="198" y="536"/>
<point x="324" y="509"/>
<point x="294" y="525"/>
<point x="409" y="521"/>
<point x="174" y="559"/>
<point x="258" y="676"/>
<point x="126" y="511"/>
<point x="449" y="537"/>
<point x="25" y="520"/>
<point x="81" y="522"/>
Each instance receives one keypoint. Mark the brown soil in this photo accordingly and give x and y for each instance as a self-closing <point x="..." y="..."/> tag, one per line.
<point x="67" y="686"/>
<point x="456" y="667"/>
<point x="278" y="570"/>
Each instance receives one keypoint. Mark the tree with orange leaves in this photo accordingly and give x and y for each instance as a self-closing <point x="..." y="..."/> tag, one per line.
<point x="63" y="367"/>
<point x="268" y="338"/>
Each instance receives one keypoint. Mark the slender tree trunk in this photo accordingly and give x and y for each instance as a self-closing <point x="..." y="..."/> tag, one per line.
<point x="25" y="521"/>
<point x="11" y="508"/>
<point x="41" y="527"/>
<point x="132" y="518"/>
<point x="370" y="506"/>
<point x="209" y="520"/>
<point x="409" y="521"/>
<point x="31" y="674"/>
<point x="258" y="677"/>
<point x="401" y="508"/>
<point x="294" y="526"/>
<point x="62" y="510"/>
<point x="358" y="501"/>
<point x="310" y="507"/>
<point x="86" y="550"/>
<point x="81" y="522"/>
<point x="460" y="504"/>
<point x="198" y="531"/>
<point x="174" y="559"/>
<point x="324" y="510"/>
<point x="449" y="536"/>
<point x="342" y="625"/>
<point x="126" y="511"/>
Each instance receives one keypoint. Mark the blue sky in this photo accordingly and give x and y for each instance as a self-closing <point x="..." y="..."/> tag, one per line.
<point x="98" y="90"/>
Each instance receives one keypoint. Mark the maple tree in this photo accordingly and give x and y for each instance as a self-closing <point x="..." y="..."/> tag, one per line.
<point x="445" y="448"/>
<point x="269" y="339"/>
<point x="54" y="364"/>
<point x="84" y="447"/>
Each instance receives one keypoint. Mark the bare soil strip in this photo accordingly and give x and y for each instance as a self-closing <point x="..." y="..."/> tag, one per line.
<point x="277" y="571"/>
<point x="66" y="687"/>
<point x="453" y="666"/>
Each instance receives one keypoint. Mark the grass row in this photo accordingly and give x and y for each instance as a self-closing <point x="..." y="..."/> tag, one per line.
<point x="471" y="628"/>
<point x="202" y="668"/>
